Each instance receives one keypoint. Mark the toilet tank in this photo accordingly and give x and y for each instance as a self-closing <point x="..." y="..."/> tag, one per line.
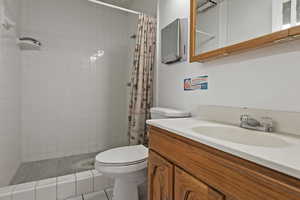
<point x="164" y="113"/>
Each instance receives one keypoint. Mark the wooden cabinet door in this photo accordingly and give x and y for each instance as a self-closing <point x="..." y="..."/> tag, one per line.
<point x="189" y="188"/>
<point x="160" y="178"/>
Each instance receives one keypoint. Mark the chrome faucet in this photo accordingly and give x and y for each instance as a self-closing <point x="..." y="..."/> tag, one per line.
<point x="265" y="124"/>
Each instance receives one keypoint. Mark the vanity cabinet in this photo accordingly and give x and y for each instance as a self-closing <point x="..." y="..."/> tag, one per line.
<point x="182" y="169"/>
<point x="164" y="176"/>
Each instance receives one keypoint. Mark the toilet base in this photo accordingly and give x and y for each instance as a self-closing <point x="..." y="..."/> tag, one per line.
<point x="125" y="190"/>
<point x="128" y="176"/>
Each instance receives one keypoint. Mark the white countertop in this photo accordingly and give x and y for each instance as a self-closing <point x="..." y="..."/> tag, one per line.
<point x="285" y="159"/>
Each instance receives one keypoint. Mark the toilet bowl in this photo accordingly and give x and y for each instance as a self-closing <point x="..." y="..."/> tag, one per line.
<point x="128" y="165"/>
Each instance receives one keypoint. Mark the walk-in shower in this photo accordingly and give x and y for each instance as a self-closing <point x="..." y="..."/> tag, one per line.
<point x="66" y="100"/>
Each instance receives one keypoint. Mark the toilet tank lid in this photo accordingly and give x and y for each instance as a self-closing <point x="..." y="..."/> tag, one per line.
<point x="169" y="112"/>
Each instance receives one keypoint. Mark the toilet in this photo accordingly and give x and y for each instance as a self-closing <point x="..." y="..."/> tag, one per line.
<point x="128" y="165"/>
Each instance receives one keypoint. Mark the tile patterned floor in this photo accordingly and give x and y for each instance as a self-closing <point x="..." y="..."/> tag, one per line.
<point x="106" y="195"/>
<point x="34" y="171"/>
<point x="103" y="195"/>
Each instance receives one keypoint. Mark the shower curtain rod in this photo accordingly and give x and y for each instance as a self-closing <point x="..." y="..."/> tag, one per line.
<point x="116" y="7"/>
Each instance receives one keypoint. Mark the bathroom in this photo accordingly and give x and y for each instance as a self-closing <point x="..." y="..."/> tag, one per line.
<point x="66" y="100"/>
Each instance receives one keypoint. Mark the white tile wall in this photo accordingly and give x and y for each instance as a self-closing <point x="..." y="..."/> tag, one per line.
<point x="84" y="182"/>
<point x="65" y="187"/>
<point x="24" y="191"/>
<point x="6" y="193"/>
<point x="46" y="189"/>
<point x="145" y="6"/>
<point x="10" y="73"/>
<point x="69" y="105"/>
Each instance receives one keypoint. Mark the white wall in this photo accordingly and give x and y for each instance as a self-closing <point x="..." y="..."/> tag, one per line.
<point x="267" y="78"/>
<point x="70" y="106"/>
<point x="10" y="152"/>
<point x="147" y="6"/>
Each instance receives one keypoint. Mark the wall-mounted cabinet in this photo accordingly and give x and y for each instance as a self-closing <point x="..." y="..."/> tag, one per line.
<point x="222" y="27"/>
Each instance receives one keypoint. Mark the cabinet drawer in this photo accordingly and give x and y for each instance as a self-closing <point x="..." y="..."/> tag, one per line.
<point x="234" y="177"/>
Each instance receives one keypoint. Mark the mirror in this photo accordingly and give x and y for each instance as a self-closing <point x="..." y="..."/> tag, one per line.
<point x="221" y="23"/>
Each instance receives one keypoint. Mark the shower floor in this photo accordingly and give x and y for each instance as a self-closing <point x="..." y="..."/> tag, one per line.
<point x="38" y="170"/>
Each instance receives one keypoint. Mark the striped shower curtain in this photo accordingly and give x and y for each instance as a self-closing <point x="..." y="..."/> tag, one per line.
<point x="141" y="95"/>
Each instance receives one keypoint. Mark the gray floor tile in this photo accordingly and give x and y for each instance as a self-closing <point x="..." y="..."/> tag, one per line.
<point x="21" y="174"/>
<point x="109" y="193"/>
<point x="81" y="162"/>
<point x="95" y="196"/>
<point x="46" y="169"/>
<point x="64" y="167"/>
<point x="33" y="171"/>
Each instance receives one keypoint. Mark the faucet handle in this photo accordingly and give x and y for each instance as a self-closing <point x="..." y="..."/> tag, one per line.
<point x="244" y="117"/>
<point x="267" y="123"/>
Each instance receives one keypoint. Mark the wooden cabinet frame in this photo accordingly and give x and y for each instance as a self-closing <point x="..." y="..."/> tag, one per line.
<point x="269" y="39"/>
<point x="231" y="176"/>
<point x="159" y="168"/>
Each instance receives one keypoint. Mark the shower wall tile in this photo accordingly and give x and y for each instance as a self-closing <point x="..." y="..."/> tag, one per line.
<point x="69" y="105"/>
<point x="88" y="183"/>
<point x="24" y="191"/>
<point x="84" y="182"/>
<point x="10" y="89"/>
<point x="66" y="187"/>
<point x="6" y="193"/>
<point x="46" y="189"/>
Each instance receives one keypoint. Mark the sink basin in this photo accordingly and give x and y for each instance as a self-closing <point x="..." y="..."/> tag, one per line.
<point x="241" y="136"/>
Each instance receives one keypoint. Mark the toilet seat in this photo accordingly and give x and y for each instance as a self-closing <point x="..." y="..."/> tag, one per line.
<point x="123" y="156"/>
<point x="121" y="170"/>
